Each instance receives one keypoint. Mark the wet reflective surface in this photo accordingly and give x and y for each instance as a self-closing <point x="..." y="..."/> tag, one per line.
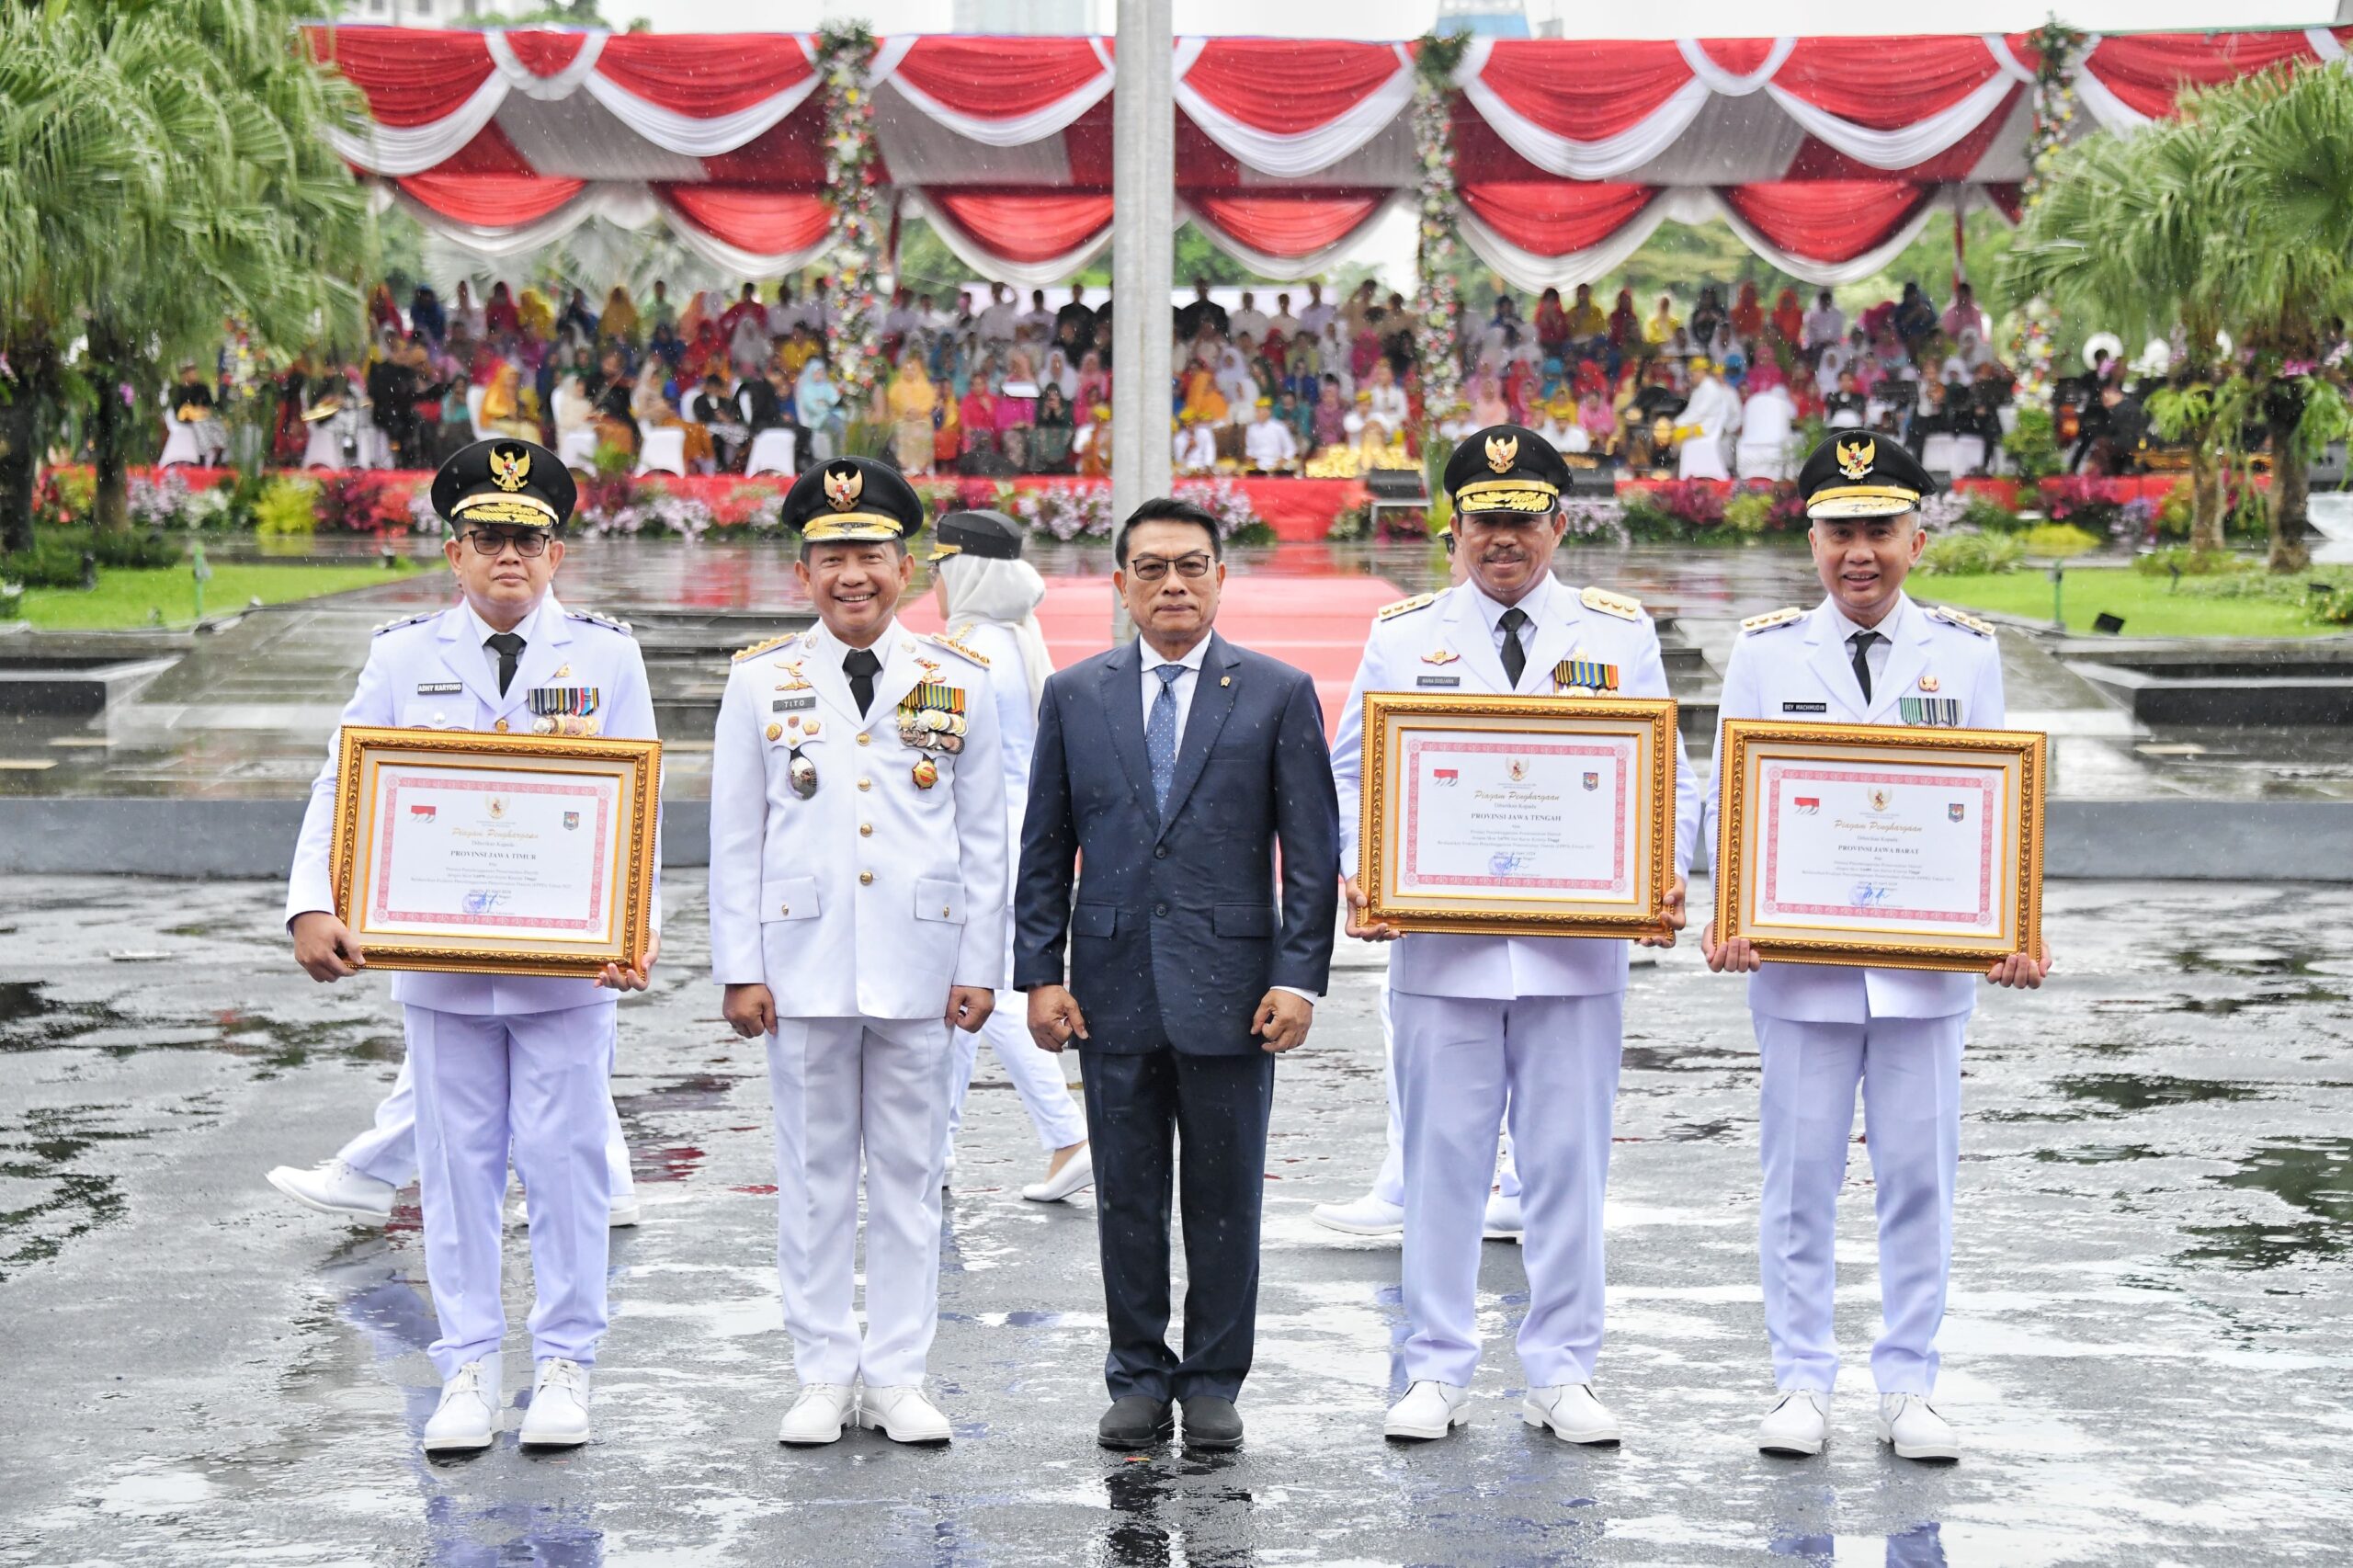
<point x="2148" y="1347"/>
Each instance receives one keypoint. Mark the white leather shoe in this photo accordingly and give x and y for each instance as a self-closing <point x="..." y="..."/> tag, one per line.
<point x="822" y="1414"/>
<point x="1429" y="1412"/>
<point x="947" y="1170"/>
<point x="335" y="1189"/>
<point x="1797" y="1423"/>
<point x="1368" y="1216"/>
<point x="901" y="1414"/>
<point x="1504" y="1222"/>
<point x="559" y="1414"/>
<point x="1912" y="1424"/>
<point x="467" y="1419"/>
<point x="1572" y="1413"/>
<point x="1077" y="1173"/>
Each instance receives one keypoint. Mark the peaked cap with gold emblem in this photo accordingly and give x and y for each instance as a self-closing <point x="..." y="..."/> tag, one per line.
<point x="852" y="498"/>
<point x="511" y="483"/>
<point x="1858" y="474"/>
<point x="1505" y="471"/>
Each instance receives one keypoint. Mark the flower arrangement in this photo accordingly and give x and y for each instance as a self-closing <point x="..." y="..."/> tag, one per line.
<point x="2059" y="48"/>
<point x="1593" y="521"/>
<point x="1436" y="304"/>
<point x="842" y="52"/>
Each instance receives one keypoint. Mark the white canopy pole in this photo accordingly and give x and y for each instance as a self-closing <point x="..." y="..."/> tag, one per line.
<point x="1144" y="233"/>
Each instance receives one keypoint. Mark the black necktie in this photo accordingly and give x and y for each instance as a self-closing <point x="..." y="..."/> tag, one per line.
<point x="1862" y="642"/>
<point x="1515" y="656"/>
<point x="862" y="666"/>
<point x="511" y="654"/>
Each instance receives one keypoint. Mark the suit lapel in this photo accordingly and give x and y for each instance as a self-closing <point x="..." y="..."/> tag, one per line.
<point x="1829" y="658"/>
<point x="466" y="659"/>
<point x="543" y="653"/>
<point x="1560" y="620"/>
<point x="1214" y="694"/>
<point x="1123" y="712"/>
<point x="1907" y="657"/>
<point x="1467" y="634"/>
<point x="900" y="671"/>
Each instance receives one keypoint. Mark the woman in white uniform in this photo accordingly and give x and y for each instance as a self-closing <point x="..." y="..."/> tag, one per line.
<point x="988" y="596"/>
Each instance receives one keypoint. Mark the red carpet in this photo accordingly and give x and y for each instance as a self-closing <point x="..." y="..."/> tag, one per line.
<point x="1315" y="624"/>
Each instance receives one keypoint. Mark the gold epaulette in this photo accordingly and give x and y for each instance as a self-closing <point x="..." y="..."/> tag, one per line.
<point x="1961" y="619"/>
<point x="1404" y="606"/>
<point x="1607" y="603"/>
<point x="756" y="649"/>
<point x="610" y="623"/>
<point x="400" y="620"/>
<point x="1787" y="615"/>
<point x="948" y="640"/>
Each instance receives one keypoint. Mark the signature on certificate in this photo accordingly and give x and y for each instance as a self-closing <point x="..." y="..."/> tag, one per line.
<point x="1504" y="862"/>
<point x="482" y="900"/>
<point x="1871" y="895"/>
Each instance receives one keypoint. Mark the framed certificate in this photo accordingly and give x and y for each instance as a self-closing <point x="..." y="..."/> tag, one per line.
<point x="496" y="853"/>
<point x="1539" y="816"/>
<point x="1860" y="844"/>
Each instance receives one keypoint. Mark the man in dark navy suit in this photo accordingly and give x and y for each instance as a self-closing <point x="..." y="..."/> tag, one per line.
<point x="1176" y="765"/>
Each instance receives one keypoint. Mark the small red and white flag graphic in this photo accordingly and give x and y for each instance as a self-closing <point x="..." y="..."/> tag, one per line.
<point x="422" y="813"/>
<point x="1445" y="775"/>
<point x="1809" y="803"/>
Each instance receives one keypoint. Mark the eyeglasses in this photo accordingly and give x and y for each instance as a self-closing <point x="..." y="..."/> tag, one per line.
<point x="1151" y="569"/>
<point x="493" y="542"/>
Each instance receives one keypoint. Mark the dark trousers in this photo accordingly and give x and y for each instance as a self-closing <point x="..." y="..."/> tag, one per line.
<point x="1215" y="1108"/>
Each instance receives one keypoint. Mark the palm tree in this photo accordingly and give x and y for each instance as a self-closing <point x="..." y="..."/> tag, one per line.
<point x="161" y="170"/>
<point x="2236" y="217"/>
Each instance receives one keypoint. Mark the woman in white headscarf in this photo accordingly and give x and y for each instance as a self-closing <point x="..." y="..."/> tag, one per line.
<point x="988" y="597"/>
<point x="1060" y="374"/>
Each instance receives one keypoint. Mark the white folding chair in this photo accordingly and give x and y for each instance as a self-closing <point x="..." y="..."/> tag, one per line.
<point x="1937" y="453"/>
<point x="473" y="409"/>
<point x="578" y="447"/>
<point x="772" y="454"/>
<point x="2007" y="416"/>
<point x="1968" y="454"/>
<point x="1772" y="461"/>
<point x="662" y="450"/>
<point x="179" y="446"/>
<point x="323" y="448"/>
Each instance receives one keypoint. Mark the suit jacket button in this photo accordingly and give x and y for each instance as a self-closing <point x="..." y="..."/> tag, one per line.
<point x="866" y="783"/>
<point x="866" y="830"/>
<point x="1160" y="852"/>
<point x="865" y="878"/>
<point x="1160" y="909"/>
<point x="500" y="726"/>
<point x="864" y="739"/>
<point x="784" y="909"/>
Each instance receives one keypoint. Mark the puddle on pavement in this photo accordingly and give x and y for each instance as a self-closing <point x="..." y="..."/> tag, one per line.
<point x="39" y="1156"/>
<point x="31" y="1019"/>
<point x="2125" y="1093"/>
<point x="2101" y="1156"/>
<point x="2312" y="1175"/>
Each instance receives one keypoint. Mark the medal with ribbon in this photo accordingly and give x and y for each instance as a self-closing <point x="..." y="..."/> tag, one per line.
<point x="564" y="709"/>
<point x="931" y="718"/>
<point x="1583" y="677"/>
<point x="1942" y="712"/>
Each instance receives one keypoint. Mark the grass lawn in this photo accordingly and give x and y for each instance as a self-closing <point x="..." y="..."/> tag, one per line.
<point x="2150" y="605"/>
<point x="127" y="596"/>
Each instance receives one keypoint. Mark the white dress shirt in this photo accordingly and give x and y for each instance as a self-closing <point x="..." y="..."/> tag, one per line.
<point x="1888" y="626"/>
<point x="1181" y="688"/>
<point x="484" y="631"/>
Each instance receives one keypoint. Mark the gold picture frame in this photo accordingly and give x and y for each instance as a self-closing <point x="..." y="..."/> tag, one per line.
<point x="1631" y="742"/>
<point x="544" y="845"/>
<point x="1881" y="786"/>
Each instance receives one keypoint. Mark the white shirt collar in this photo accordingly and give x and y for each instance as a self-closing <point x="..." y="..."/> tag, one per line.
<point x="528" y="627"/>
<point x="834" y="650"/>
<point x="1533" y="602"/>
<point x="1151" y="657"/>
<point x="1890" y="626"/>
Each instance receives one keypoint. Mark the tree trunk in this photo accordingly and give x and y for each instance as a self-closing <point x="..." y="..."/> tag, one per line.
<point x="109" y="433"/>
<point x="19" y="462"/>
<point x="2205" y="494"/>
<point x="2291" y="493"/>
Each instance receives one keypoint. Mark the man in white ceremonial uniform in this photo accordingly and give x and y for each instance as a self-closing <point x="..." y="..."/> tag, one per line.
<point x="499" y="1062"/>
<point x="1867" y="655"/>
<point x="1266" y="442"/>
<point x="1483" y="1021"/>
<point x="988" y="598"/>
<point x="857" y="907"/>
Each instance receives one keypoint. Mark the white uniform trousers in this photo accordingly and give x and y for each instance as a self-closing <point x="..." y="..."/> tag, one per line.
<point x="387" y="1151"/>
<point x="1055" y="1112"/>
<point x="1388" y="1186"/>
<point x="1459" y="1061"/>
<point x="536" y="1084"/>
<point x="1910" y="1073"/>
<point x="844" y="1087"/>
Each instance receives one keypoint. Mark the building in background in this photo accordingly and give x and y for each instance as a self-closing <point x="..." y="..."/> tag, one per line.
<point x="1484" y="18"/>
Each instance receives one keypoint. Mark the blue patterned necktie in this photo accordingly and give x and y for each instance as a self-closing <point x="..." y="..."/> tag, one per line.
<point x="1160" y="734"/>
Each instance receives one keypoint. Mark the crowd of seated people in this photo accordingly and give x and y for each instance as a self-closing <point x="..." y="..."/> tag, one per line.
<point x="1286" y="381"/>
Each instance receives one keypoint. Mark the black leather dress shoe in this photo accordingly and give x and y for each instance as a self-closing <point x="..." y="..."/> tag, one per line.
<point x="1211" y="1423"/>
<point x="1137" y="1421"/>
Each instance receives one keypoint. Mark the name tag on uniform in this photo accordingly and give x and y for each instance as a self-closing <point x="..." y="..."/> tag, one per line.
<point x="440" y="689"/>
<point x="790" y="704"/>
<point x="1805" y="708"/>
<point x="1437" y="680"/>
<point x="1942" y="712"/>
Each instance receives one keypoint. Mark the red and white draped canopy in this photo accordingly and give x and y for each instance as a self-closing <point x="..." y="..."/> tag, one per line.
<point x="1825" y="154"/>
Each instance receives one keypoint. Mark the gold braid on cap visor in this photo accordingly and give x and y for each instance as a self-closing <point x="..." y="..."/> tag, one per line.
<point x="1529" y="495"/>
<point x="1862" y="501"/>
<point x="496" y="506"/>
<point x="852" y="525"/>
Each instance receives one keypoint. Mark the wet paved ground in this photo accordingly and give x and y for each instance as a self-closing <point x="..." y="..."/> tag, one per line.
<point x="2148" y="1347"/>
